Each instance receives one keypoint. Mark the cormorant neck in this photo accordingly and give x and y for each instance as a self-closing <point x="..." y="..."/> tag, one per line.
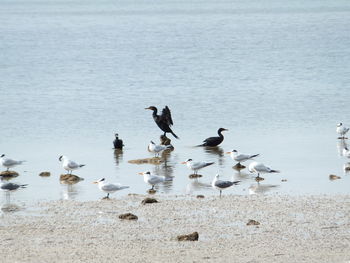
<point x="220" y="133"/>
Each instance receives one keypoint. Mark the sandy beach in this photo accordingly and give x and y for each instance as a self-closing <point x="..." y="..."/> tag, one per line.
<point x="292" y="229"/>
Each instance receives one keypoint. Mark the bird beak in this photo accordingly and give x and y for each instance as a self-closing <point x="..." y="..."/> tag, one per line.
<point x="225" y="129"/>
<point x="228" y="152"/>
<point x="147" y="108"/>
<point x="183" y="162"/>
<point x="140" y="173"/>
<point x="95" y="182"/>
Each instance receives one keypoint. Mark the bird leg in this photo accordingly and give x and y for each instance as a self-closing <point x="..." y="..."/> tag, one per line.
<point x="220" y="193"/>
<point x="107" y="196"/>
<point x="152" y="187"/>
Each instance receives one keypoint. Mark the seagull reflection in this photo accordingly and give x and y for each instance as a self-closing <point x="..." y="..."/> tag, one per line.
<point x="118" y="156"/>
<point x="167" y="170"/>
<point x="216" y="151"/>
<point x="69" y="192"/>
<point x="241" y="176"/>
<point x="196" y="185"/>
<point x="341" y="145"/>
<point x="261" y="188"/>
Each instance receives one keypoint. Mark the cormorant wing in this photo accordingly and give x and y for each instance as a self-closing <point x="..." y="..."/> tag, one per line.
<point x="166" y="116"/>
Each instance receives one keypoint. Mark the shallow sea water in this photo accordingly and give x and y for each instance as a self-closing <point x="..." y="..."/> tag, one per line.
<point x="275" y="73"/>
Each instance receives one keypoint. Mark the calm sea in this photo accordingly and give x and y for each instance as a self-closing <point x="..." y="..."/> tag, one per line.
<point x="73" y="73"/>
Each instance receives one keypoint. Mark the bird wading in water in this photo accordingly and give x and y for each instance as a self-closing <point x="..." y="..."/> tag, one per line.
<point x="118" y="143"/>
<point x="164" y="121"/>
<point x="214" y="141"/>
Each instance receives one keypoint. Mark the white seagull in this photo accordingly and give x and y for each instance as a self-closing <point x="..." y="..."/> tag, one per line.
<point x="157" y="149"/>
<point x="69" y="165"/>
<point x="11" y="186"/>
<point x="195" y="166"/>
<point x="260" y="168"/>
<point x="108" y="187"/>
<point x="153" y="179"/>
<point x="342" y="130"/>
<point x="9" y="163"/>
<point x="241" y="157"/>
<point x="221" y="185"/>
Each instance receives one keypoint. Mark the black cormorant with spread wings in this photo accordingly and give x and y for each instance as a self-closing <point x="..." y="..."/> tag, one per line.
<point x="214" y="141"/>
<point x="164" y="121"/>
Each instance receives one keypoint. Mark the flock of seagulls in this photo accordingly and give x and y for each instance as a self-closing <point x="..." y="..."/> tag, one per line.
<point x="164" y="122"/>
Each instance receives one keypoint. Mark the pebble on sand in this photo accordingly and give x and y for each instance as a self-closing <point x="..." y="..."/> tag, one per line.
<point x="128" y="216"/>
<point x="149" y="200"/>
<point x="200" y="196"/>
<point x="195" y="176"/>
<point x="190" y="237"/>
<point x="253" y="222"/>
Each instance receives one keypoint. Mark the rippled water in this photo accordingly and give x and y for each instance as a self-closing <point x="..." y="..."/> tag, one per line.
<point x="275" y="73"/>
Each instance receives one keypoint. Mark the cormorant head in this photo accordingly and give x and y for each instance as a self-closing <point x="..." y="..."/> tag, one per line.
<point x="222" y="129"/>
<point x="116" y="135"/>
<point x="151" y="108"/>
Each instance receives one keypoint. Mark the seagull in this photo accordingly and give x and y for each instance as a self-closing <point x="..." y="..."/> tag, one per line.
<point x="8" y="163"/>
<point x="108" y="187"/>
<point x="214" y="141"/>
<point x="221" y="185"/>
<point x="342" y="130"/>
<point x="118" y="143"/>
<point x="164" y="121"/>
<point x="240" y="157"/>
<point x="69" y="165"/>
<point x="152" y="179"/>
<point x="157" y="149"/>
<point x="195" y="166"/>
<point x="259" y="168"/>
<point x="11" y="186"/>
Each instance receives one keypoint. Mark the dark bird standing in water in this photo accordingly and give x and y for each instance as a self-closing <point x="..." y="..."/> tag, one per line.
<point x="164" y="121"/>
<point x="118" y="143"/>
<point x="214" y="141"/>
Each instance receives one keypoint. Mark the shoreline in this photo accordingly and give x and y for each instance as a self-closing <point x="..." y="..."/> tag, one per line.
<point x="292" y="229"/>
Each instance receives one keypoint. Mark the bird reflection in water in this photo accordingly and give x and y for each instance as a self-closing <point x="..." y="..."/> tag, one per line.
<point x="216" y="151"/>
<point x="341" y="146"/>
<point x="165" y="169"/>
<point x="195" y="185"/>
<point x="118" y="156"/>
<point x="69" y="192"/>
<point x="259" y="188"/>
<point x="8" y="189"/>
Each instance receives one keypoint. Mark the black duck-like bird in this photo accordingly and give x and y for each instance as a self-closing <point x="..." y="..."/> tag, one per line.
<point x="164" y="121"/>
<point x="214" y="141"/>
<point x="118" y="143"/>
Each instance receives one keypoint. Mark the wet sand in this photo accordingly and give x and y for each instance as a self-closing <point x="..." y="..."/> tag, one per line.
<point x="292" y="229"/>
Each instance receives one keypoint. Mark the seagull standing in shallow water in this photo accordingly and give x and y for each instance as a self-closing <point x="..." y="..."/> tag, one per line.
<point x="342" y="130"/>
<point x="69" y="165"/>
<point x="195" y="166"/>
<point x="153" y="179"/>
<point x="9" y="163"/>
<point x="157" y="149"/>
<point x="108" y="187"/>
<point x="221" y="185"/>
<point x="240" y="157"/>
<point x="260" y="168"/>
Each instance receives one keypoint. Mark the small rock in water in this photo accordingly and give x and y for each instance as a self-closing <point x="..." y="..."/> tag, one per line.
<point x="238" y="166"/>
<point x="253" y="222"/>
<point x="195" y="176"/>
<point x="190" y="237"/>
<point x="200" y="196"/>
<point x="128" y="216"/>
<point x="70" y="178"/>
<point x="166" y="141"/>
<point x="151" y="191"/>
<point x="45" y="174"/>
<point x="284" y="180"/>
<point x="9" y="174"/>
<point x="334" y="177"/>
<point x="149" y="200"/>
<point x="258" y="179"/>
